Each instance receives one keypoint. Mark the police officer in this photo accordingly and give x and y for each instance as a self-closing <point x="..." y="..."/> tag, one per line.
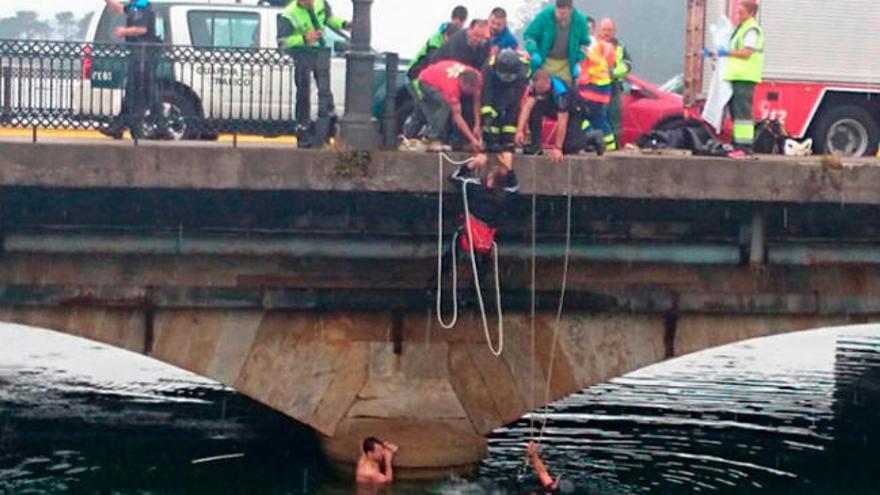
<point x="301" y="31"/>
<point x="141" y="89"/>
<point x="505" y="79"/>
<point x="551" y="97"/>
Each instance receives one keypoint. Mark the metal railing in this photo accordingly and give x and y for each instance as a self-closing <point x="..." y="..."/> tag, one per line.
<point x="200" y="91"/>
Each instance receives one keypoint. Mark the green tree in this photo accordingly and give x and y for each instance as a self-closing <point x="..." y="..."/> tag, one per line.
<point x="65" y="25"/>
<point x="82" y="26"/>
<point x="25" y="24"/>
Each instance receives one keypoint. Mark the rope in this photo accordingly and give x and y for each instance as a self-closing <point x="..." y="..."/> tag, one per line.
<point x="500" y="348"/>
<point x="443" y="324"/>
<point x="559" y="307"/>
<point x="533" y="300"/>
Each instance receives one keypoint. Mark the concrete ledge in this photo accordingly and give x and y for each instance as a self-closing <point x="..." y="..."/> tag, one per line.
<point x="103" y="164"/>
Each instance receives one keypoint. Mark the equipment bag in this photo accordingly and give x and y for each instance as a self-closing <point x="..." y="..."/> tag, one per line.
<point x="484" y="236"/>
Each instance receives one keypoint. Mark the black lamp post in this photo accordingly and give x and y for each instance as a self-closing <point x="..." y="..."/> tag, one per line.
<point x="359" y="130"/>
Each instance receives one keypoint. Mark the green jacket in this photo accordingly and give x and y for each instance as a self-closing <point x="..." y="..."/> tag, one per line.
<point x="433" y="43"/>
<point x="541" y="34"/>
<point x="295" y="22"/>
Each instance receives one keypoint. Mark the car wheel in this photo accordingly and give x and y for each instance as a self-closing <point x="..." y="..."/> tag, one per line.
<point x="177" y="121"/>
<point x="846" y="130"/>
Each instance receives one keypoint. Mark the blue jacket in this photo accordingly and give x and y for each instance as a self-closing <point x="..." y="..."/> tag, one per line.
<point x="505" y="40"/>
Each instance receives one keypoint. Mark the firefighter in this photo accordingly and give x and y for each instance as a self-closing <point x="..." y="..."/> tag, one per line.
<point x="505" y="80"/>
<point x="744" y="70"/>
<point x="301" y="31"/>
<point x="595" y="87"/>
<point x="621" y="68"/>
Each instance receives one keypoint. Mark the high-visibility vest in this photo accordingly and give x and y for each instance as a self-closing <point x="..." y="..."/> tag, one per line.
<point x="594" y="82"/>
<point x="302" y="23"/>
<point x="742" y="69"/>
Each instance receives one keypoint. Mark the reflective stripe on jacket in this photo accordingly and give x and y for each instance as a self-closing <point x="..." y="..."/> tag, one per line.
<point x="594" y="82"/>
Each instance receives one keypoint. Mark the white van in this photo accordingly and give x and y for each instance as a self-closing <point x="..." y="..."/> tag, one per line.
<point x="233" y="89"/>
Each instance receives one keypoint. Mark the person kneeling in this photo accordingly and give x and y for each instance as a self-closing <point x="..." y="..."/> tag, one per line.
<point x="439" y="91"/>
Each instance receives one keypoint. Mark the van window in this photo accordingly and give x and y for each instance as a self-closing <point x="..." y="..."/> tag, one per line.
<point x="218" y="29"/>
<point x="111" y="20"/>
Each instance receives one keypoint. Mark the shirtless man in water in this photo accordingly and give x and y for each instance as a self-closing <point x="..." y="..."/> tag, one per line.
<point x="374" y="466"/>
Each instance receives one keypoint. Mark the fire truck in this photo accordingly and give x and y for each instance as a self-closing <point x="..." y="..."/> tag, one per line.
<point x="821" y="69"/>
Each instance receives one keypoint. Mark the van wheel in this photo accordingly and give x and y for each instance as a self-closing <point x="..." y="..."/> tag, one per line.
<point x="178" y="119"/>
<point x="846" y="130"/>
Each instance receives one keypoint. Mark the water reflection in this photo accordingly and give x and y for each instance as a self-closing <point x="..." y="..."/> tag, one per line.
<point x="792" y="414"/>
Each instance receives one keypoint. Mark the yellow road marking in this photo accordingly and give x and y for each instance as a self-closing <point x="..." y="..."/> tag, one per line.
<point x="88" y="134"/>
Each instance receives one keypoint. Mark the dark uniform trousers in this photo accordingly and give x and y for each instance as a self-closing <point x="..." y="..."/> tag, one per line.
<point x="310" y="62"/>
<point x="499" y="128"/>
<point x="575" y="138"/>
<point x="142" y="90"/>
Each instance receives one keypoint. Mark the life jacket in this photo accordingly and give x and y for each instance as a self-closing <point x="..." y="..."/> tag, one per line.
<point x="483" y="236"/>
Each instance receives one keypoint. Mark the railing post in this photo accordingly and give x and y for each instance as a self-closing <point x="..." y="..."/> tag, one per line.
<point x="392" y="61"/>
<point x="359" y="129"/>
<point x="7" y="92"/>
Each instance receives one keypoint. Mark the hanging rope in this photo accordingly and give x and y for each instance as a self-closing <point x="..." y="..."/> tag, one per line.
<point x="533" y="299"/>
<point x="559" y="307"/>
<point x="443" y="324"/>
<point x="496" y="351"/>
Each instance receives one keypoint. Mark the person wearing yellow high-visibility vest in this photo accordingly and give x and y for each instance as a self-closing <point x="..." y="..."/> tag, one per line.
<point x="621" y="68"/>
<point x="301" y="31"/>
<point x="744" y="70"/>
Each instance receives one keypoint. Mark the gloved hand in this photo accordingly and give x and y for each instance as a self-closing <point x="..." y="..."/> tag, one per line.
<point x="537" y="60"/>
<point x="723" y="52"/>
<point x="707" y="53"/>
<point x="576" y="71"/>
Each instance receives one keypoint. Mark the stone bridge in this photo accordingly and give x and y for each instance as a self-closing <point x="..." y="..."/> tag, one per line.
<point x="305" y="279"/>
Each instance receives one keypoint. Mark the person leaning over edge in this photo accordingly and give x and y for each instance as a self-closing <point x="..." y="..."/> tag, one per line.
<point x="550" y="97"/>
<point x="621" y="68"/>
<point x="554" y="39"/>
<point x="470" y="47"/>
<point x="141" y="87"/>
<point x="439" y="91"/>
<point x="301" y="31"/>
<point x="505" y="80"/>
<point x="375" y="465"/>
<point x="745" y="67"/>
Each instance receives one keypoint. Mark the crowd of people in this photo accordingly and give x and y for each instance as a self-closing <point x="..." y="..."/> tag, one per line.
<point x="476" y="87"/>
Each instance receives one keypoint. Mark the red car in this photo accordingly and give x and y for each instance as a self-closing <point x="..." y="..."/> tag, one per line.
<point x="645" y="108"/>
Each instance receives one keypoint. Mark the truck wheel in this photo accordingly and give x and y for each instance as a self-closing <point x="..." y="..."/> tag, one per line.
<point x="846" y="130"/>
<point x="177" y="121"/>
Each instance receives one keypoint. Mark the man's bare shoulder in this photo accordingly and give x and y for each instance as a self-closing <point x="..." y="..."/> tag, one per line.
<point x="366" y="472"/>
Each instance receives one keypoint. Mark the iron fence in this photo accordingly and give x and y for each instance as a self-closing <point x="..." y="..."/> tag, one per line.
<point x="199" y="92"/>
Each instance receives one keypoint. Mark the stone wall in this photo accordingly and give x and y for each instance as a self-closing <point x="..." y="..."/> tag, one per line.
<point x="437" y="398"/>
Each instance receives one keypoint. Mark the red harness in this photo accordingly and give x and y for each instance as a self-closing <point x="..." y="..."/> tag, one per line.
<point x="483" y="236"/>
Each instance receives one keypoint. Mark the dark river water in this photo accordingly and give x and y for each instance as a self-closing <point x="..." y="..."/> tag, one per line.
<point x="793" y="414"/>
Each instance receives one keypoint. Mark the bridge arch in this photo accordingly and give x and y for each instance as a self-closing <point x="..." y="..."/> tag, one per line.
<point x="437" y="393"/>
